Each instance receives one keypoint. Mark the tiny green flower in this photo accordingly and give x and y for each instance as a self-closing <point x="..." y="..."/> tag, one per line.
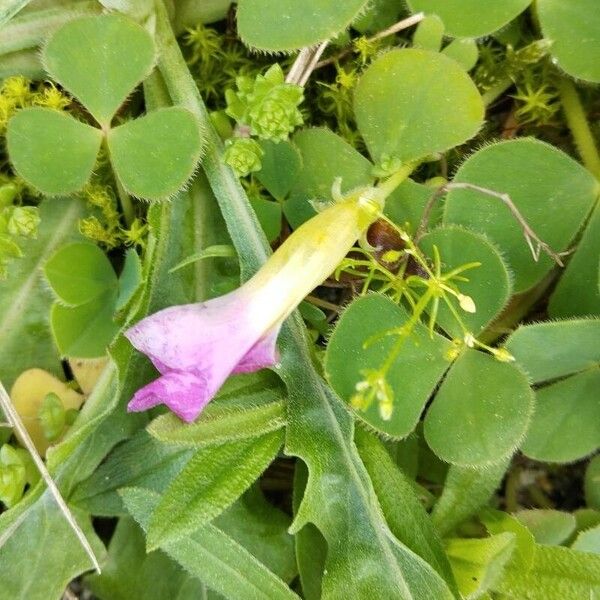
<point x="243" y="155"/>
<point x="24" y="221"/>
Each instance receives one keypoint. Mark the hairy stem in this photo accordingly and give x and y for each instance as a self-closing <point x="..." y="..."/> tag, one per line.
<point x="579" y="126"/>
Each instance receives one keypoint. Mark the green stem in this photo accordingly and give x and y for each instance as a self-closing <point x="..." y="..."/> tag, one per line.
<point x="579" y="126"/>
<point x="124" y="197"/>
<point x="391" y="183"/>
<point x="496" y="91"/>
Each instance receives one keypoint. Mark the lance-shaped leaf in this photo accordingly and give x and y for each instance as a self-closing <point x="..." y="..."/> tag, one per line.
<point x="51" y="150"/>
<point x="100" y="60"/>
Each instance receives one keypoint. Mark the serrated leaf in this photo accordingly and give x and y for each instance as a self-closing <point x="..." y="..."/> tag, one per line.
<point x="566" y="423"/>
<point x="481" y="411"/>
<point x="573" y="28"/>
<point x="317" y="147"/>
<point x="403" y="510"/>
<point x="155" y="155"/>
<point x="488" y="285"/>
<point x="85" y="331"/>
<point x="25" y="299"/>
<point x="413" y="375"/>
<point x="552" y="192"/>
<point x="291" y="24"/>
<point x="100" y="60"/>
<point x="397" y="108"/>
<point x="210" y="552"/>
<point x="80" y="272"/>
<point x="281" y="164"/>
<point x="471" y="18"/>
<point x="554" y="349"/>
<point x="51" y="150"/>
<point x="549" y="527"/>
<point x="210" y="482"/>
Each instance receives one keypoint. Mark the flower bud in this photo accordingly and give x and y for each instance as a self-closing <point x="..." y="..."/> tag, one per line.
<point x="24" y="221"/>
<point x="243" y="155"/>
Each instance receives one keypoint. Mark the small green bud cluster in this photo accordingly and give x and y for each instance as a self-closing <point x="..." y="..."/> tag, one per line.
<point x="374" y="388"/>
<point x="54" y="418"/>
<point x="15" y="222"/>
<point x="17" y="469"/>
<point x="265" y="107"/>
<point x="243" y="155"/>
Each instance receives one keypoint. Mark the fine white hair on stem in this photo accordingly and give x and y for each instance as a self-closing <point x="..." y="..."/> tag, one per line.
<point x="305" y="64"/>
<point x="15" y="421"/>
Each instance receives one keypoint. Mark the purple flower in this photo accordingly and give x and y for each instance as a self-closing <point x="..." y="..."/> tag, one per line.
<point x="195" y="347"/>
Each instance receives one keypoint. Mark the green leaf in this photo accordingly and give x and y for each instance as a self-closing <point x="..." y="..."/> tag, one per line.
<point x="573" y="28"/>
<point x="557" y="573"/>
<point x="209" y="553"/>
<point x="25" y="299"/>
<point x="131" y="573"/>
<point x="318" y="147"/>
<point x="555" y="349"/>
<point x="413" y="376"/>
<point x="566" y="423"/>
<point x="403" y="510"/>
<point x="407" y="203"/>
<point x="130" y="279"/>
<point x="155" y="155"/>
<point x="588" y="541"/>
<point x="291" y="24"/>
<point x="429" y="34"/>
<point x="281" y="164"/>
<point x="464" y="52"/>
<point x="269" y="215"/>
<point x="471" y="18"/>
<point x="43" y="533"/>
<point x="140" y="461"/>
<point x="574" y="296"/>
<point x="217" y="251"/>
<point x="592" y="483"/>
<point x="219" y="424"/>
<point x="263" y="530"/>
<point x="397" y="105"/>
<point x="100" y="60"/>
<point x="51" y="150"/>
<point x="85" y="331"/>
<point x="213" y="478"/>
<point x="80" y="272"/>
<point x="479" y="563"/>
<point x="549" y="527"/>
<point x="481" y="412"/>
<point x="552" y="192"/>
<point x="466" y="490"/>
<point x="488" y="285"/>
<point x="318" y="424"/>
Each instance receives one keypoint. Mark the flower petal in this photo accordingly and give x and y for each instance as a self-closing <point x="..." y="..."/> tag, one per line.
<point x="262" y="355"/>
<point x="186" y="394"/>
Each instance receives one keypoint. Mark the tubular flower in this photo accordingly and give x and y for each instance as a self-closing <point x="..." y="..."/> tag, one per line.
<point x="195" y="347"/>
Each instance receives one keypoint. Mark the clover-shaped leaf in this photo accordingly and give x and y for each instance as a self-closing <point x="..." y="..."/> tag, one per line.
<point x="100" y="60"/>
<point x="52" y="151"/>
<point x="154" y="155"/>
